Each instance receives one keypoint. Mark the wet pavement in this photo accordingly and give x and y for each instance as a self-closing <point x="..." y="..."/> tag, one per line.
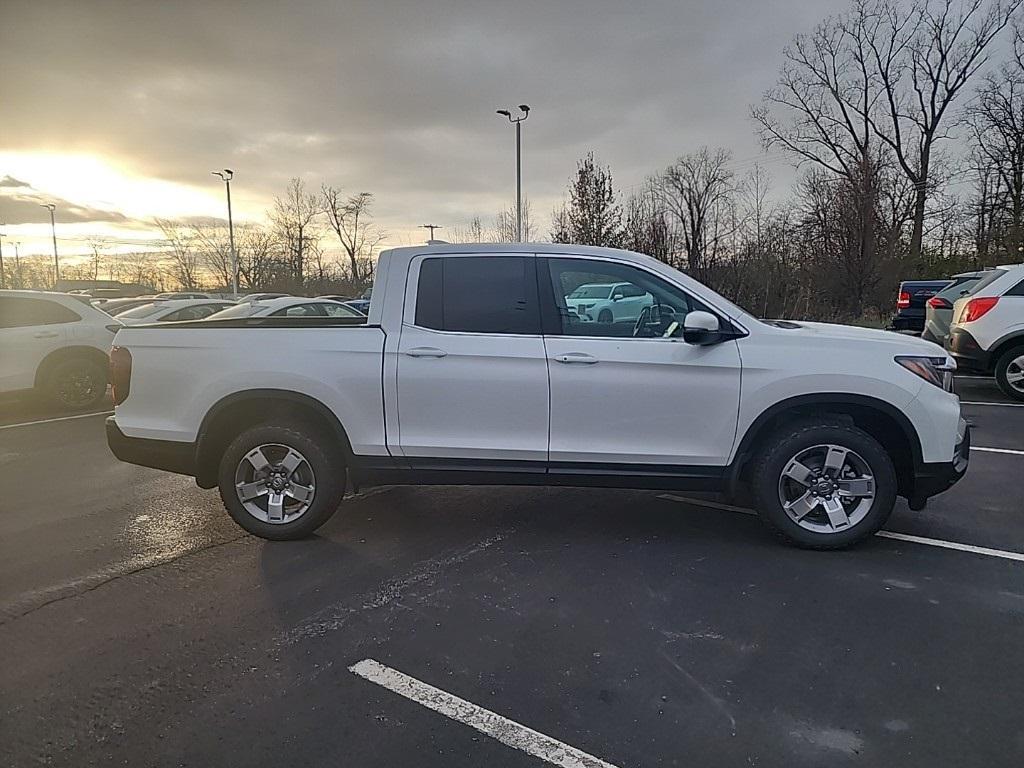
<point x="141" y="627"/>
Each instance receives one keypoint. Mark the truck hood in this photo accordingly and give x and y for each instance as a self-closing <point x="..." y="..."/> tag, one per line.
<point x="898" y="343"/>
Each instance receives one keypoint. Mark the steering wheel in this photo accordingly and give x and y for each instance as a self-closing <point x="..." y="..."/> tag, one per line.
<point x="642" y="321"/>
<point x="666" y="315"/>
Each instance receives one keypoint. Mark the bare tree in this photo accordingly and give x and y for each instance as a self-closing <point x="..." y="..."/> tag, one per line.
<point x="504" y="230"/>
<point x="140" y="268"/>
<point x="693" y="191"/>
<point x="647" y="229"/>
<point x="294" y="220"/>
<point x="260" y="263"/>
<point x="471" y="233"/>
<point x="820" y="110"/>
<point x="923" y="58"/>
<point x="213" y="242"/>
<point x="97" y="257"/>
<point x="352" y="222"/>
<point x="996" y="119"/>
<point x="182" y="255"/>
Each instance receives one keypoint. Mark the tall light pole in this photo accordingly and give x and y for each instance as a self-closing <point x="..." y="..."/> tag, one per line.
<point x="227" y="174"/>
<point x="17" y="266"/>
<point x="431" y="227"/>
<point x="53" y="231"/>
<point x="517" y="121"/>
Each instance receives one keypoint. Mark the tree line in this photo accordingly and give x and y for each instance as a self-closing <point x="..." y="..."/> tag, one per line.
<point x="907" y="133"/>
<point x="865" y="105"/>
<point x="322" y="241"/>
<point x="291" y="252"/>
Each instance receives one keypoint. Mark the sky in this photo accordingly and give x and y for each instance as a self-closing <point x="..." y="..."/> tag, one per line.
<point x="117" y="111"/>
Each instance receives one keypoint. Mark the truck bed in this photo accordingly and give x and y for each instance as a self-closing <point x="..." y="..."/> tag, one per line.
<point x="181" y="370"/>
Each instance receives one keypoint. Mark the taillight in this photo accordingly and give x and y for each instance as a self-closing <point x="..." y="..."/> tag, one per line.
<point x="903" y="301"/>
<point x="977" y="308"/>
<point x="937" y="302"/>
<point x="120" y="373"/>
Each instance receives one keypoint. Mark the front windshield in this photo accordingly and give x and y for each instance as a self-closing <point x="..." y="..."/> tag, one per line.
<point x="140" y="312"/>
<point x="591" y="292"/>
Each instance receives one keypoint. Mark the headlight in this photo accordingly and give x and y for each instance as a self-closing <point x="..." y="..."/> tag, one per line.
<point x="934" y="370"/>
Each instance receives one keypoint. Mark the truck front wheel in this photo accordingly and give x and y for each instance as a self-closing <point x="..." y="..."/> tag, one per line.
<point x="281" y="482"/>
<point x="824" y="485"/>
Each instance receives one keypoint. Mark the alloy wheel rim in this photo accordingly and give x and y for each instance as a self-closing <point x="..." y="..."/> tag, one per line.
<point x="826" y="489"/>
<point x="1015" y="373"/>
<point x="275" y="483"/>
<point x="77" y="389"/>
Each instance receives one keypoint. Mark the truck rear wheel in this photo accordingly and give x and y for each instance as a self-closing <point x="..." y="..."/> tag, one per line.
<point x="824" y="485"/>
<point x="281" y="482"/>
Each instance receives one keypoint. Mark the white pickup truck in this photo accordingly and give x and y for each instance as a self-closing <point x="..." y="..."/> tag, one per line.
<point x="471" y="369"/>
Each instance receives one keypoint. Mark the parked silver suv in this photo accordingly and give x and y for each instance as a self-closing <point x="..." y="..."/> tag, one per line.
<point x="987" y="335"/>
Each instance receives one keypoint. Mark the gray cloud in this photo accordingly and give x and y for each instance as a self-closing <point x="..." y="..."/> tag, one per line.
<point x="23" y="207"/>
<point x="393" y="97"/>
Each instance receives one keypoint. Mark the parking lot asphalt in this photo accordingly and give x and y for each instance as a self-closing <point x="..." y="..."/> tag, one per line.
<point x="141" y="627"/>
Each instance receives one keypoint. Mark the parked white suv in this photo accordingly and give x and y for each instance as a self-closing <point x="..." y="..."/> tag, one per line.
<point x="987" y="335"/>
<point x="470" y="368"/>
<point x="608" y="302"/>
<point x="54" y="343"/>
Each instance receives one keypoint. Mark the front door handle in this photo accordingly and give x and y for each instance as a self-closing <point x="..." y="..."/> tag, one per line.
<point x="576" y="357"/>
<point x="45" y="335"/>
<point x="425" y="352"/>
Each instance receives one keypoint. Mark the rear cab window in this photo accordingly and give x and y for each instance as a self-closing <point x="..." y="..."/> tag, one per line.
<point x="478" y="294"/>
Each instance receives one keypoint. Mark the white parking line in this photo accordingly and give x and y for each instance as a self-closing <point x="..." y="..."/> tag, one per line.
<point x="59" y="418"/>
<point x="1006" y="555"/>
<point x="997" y="450"/>
<point x="942" y="544"/>
<point x="508" y="732"/>
<point x="1004" y="405"/>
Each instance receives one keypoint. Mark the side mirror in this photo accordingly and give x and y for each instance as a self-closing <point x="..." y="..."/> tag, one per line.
<point x="618" y="296"/>
<point x="701" y="328"/>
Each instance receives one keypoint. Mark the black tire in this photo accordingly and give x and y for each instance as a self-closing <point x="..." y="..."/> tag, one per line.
<point x="604" y="316"/>
<point x="1007" y="359"/>
<point x="325" y="459"/>
<point x="773" y="458"/>
<point x="77" y="382"/>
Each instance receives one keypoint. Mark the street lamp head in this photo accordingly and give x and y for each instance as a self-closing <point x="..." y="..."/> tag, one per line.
<point x="525" y="108"/>
<point x="506" y="113"/>
<point x="49" y="206"/>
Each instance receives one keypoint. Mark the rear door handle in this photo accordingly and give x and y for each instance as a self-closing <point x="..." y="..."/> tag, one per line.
<point x="426" y="352"/>
<point x="576" y="357"/>
<point x="45" y="335"/>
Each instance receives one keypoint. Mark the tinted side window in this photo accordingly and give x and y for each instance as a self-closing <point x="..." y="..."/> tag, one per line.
<point x="478" y="294"/>
<point x="16" y="312"/>
<point x="1017" y="290"/>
